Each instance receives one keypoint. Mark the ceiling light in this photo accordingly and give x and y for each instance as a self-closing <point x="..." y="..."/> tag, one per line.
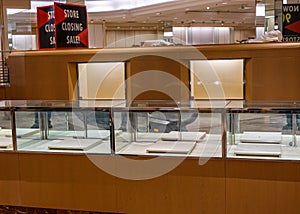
<point x="102" y="6"/>
<point x="168" y="34"/>
<point x="260" y="9"/>
<point x="14" y="11"/>
<point x="207" y="8"/>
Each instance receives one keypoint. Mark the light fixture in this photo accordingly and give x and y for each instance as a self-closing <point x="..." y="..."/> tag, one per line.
<point x="168" y="34"/>
<point x="14" y="11"/>
<point x="207" y="8"/>
<point x="260" y="9"/>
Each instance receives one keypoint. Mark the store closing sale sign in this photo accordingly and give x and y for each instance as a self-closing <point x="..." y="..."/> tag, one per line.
<point x="291" y="22"/>
<point x="62" y="26"/>
<point x="45" y="22"/>
<point x="70" y="25"/>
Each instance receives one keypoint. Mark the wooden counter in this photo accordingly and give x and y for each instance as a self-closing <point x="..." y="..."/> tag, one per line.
<point x="76" y="182"/>
<point x="221" y="185"/>
<point x="271" y="70"/>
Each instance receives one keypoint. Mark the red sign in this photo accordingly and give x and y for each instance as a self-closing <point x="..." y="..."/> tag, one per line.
<point x="46" y="28"/>
<point x="291" y="22"/>
<point x="70" y="25"/>
<point x="62" y="26"/>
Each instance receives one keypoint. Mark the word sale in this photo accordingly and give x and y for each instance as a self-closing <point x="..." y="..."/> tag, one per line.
<point x="73" y="39"/>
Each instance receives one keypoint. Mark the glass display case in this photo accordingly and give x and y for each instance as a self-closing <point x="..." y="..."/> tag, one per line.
<point x="201" y="129"/>
<point x="192" y="129"/>
<point x="268" y="130"/>
<point x="59" y="126"/>
<point x="6" y="139"/>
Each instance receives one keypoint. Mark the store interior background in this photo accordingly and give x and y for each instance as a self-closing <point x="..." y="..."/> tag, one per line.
<point x="118" y="24"/>
<point x="126" y="24"/>
<point x="235" y="185"/>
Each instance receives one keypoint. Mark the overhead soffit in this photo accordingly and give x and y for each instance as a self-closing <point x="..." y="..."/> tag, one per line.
<point x="179" y="12"/>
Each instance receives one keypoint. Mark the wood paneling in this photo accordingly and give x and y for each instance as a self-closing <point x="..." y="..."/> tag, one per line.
<point x="269" y="68"/>
<point x="157" y="78"/>
<point x="19" y="4"/>
<point x="262" y="187"/>
<point x="9" y="179"/>
<point x="189" y="188"/>
<point x="65" y="182"/>
<point x="77" y="182"/>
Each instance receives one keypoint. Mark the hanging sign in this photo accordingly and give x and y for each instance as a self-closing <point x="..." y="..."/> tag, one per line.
<point x="291" y="22"/>
<point x="46" y="28"/>
<point x="70" y="25"/>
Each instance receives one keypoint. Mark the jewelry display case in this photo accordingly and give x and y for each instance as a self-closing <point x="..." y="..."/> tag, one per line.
<point x="216" y="128"/>
<point x="268" y="130"/>
<point x="192" y="129"/>
<point x="6" y="139"/>
<point x="63" y="126"/>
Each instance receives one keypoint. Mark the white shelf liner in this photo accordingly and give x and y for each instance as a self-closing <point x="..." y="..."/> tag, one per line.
<point x="258" y="149"/>
<point x="74" y="144"/>
<point x="263" y="137"/>
<point x="184" y="136"/>
<point x="177" y="147"/>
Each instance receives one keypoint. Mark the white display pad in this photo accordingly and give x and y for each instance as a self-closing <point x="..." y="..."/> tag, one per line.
<point x="263" y="137"/>
<point x="184" y="136"/>
<point x="258" y="149"/>
<point x="20" y="132"/>
<point x="5" y="143"/>
<point x="74" y="144"/>
<point x="177" y="147"/>
<point x="97" y="134"/>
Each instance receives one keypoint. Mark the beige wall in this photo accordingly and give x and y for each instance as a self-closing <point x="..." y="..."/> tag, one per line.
<point x="101" y="80"/>
<point x="127" y="38"/>
<point x="96" y="36"/>
<point x="244" y="34"/>
<point x="217" y="79"/>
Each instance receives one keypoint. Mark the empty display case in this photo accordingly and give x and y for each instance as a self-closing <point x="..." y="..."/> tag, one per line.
<point x="63" y="126"/>
<point x="264" y="130"/>
<point x="192" y="129"/>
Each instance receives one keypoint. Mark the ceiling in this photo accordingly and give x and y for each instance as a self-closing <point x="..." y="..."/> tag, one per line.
<point x="188" y="12"/>
<point x="240" y="13"/>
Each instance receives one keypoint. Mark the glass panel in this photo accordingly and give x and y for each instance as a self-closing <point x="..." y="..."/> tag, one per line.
<point x="63" y="131"/>
<point x="6" y="141"/>
<point x="176" y="133"/>
<point x="262" y="135"/>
